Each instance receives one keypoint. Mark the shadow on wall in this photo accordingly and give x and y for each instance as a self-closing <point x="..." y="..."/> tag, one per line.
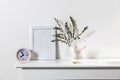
<point x="57" y="50"/>
<point x="34" y="55"/>
<point x="86" y="54"/>
<point x="0" y="75"/>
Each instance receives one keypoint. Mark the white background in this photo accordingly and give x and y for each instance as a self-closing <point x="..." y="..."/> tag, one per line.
<point x="16" y="16"/>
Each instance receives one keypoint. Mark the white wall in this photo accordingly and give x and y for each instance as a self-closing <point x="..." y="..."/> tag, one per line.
<point x="16" y="16"/>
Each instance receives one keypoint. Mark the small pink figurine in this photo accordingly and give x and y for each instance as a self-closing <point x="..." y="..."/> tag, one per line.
<point x="77" y="51"/>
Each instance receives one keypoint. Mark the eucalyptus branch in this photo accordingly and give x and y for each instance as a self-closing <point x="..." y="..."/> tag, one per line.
<point x="67" y="32"/>
<point x="78" y="36"/>
<point x="60" y="24"/>
<point x="57" y="21"/>
<point x="59" y="40"/>
<point x="74" y="25"/>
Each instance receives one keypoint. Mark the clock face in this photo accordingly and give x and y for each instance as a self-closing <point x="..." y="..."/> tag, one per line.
<point x="23" y="55"/>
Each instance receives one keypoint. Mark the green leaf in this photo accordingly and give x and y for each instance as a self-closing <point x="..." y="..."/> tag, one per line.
<point x="59" y="40"/>
<point x="74" y="26"/>
<point x="61" y="37"/>
<point x="57" y="28"/>
<point x="57" y="34"/>
<point x="62" y="41"/>
<point x="57" y="22"/>
<point x="78" y="37"/>
<point x="60" y="24"/>
<point x="85" y="28"/>
<point x="66" y="27"/>
<point x="53" y="40"/>
<point x="73" y="21"/>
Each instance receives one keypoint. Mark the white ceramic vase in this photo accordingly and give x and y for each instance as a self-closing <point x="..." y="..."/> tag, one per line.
<point x="69" y="54"/>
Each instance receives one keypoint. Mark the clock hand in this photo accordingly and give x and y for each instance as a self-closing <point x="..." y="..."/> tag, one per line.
<point x="22" y="54"/>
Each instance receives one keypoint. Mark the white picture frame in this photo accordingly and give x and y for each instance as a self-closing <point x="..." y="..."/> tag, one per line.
<point x="40" y="43"/>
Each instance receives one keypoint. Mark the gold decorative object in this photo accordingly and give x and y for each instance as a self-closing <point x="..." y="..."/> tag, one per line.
<point x="76" y="62"/>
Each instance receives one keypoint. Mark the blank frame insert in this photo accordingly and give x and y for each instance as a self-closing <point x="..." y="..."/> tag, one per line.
<point x="41" y="43"/>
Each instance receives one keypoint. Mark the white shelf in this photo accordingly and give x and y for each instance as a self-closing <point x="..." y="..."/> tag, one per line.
<point x="84" y="63"/>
